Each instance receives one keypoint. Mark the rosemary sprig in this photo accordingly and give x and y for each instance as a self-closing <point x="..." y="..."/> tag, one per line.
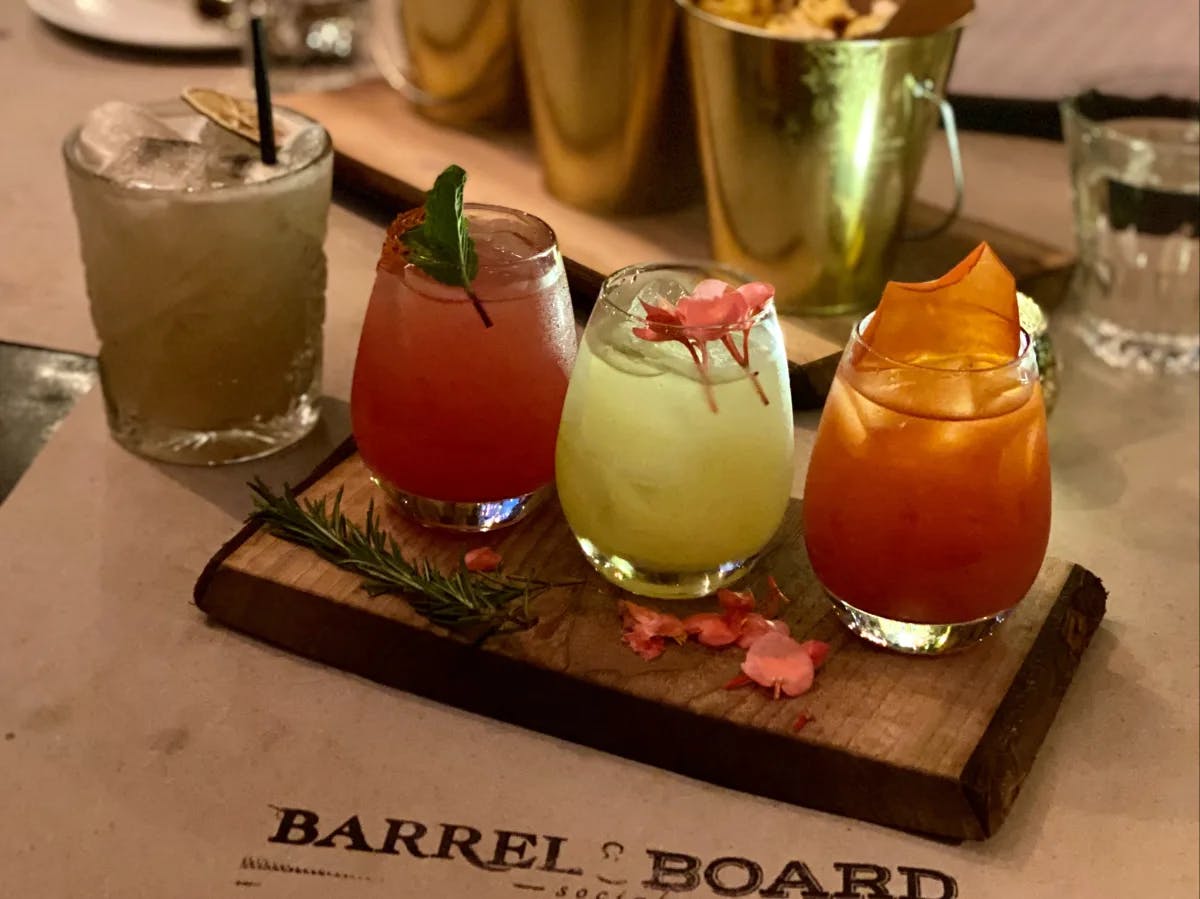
<point x="453" y="600"/>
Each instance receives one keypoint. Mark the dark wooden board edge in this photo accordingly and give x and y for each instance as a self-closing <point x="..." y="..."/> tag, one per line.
<point x="810" y="382"/>
<point x="457" y="673"/>
<point x="993" y="776"/>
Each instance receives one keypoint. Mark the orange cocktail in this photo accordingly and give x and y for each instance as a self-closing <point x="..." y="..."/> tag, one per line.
<point x="927" y="503"/>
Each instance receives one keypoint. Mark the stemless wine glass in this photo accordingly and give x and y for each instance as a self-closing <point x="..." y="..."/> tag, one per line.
<point x="674" y="461"/>
<point x="455" y="419"/>
<point x="927" y="502"/>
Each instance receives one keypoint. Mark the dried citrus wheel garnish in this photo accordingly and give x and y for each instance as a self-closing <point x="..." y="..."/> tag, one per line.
<point x="237" y="115"/>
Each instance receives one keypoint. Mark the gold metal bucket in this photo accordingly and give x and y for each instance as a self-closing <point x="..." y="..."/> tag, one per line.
<point x="811" y="151"/>
<point x="454" y="60"/>
<point x="608" y="96"/>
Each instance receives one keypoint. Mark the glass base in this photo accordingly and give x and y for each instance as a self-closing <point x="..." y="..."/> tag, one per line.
<point x="915" y="639"/>
<point x="1143" y="351"/>
<point x="224" y="447"/>
<point x="468" y="517"/>
<point x="662" y="584"/>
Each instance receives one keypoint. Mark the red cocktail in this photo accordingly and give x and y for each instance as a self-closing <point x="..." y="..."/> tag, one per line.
<point x="457" y="420"/>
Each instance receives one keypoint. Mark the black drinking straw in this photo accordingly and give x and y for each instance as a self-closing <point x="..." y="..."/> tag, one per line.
<point x="262" y="95"/>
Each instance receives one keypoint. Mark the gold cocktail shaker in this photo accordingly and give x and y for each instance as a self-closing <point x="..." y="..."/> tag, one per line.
<point x="454" y="60"/>
<point x="609" y="101"/>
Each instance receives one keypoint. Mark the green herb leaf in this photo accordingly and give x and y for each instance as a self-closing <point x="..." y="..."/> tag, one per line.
<point x="452" y="600"/>
<point x="441" y="246"/>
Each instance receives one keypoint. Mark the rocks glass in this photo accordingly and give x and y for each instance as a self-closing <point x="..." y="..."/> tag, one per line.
<point x="674" y="461"/>
<point x="457" y="420"/>
<point x="1134" y="148"/>
<point x="206" y="275"/>
<point x="927" y="503"/>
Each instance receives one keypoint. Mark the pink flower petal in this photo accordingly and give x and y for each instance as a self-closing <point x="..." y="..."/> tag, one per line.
<point x="647" y="647"/>
<point x="725" y="311"/>
<point x="658" y="624"/>
<point x="662" y="315"/>
<point x="645" y="631"/>
<point x="817" y="650"/>
<point x="735" y="600"/>
<point x="482" y="558"/>
<point x="710" y="289"/>
<point x="756" y="294"/>
<point x="754" y="626"/>
<point x="651" y="333"/>
<point x="710" y="629"/>
<point x="778" y="662"/>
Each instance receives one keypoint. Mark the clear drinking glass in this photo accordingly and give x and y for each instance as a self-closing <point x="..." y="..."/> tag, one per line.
<point x="206" y="275"/>
<point x="927" y="501"/>
<point x="457" y="421"/>
<point x="310" y="45"/>
<point x="674" y="464"/>
<point x="1134" y="146"/>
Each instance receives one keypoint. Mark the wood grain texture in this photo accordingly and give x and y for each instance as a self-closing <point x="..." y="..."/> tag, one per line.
<point x="934" y="746"/>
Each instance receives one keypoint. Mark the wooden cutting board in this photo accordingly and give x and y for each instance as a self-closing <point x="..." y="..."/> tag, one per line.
<point x="936" y="746"/>
<point x="389" y="154"/>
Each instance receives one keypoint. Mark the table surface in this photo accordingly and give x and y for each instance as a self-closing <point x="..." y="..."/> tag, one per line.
<point x="144" y="752"/>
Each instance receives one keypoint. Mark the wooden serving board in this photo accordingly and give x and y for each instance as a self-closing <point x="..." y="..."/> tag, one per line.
<point x="936" y="746"/>
<point x="390" y="155"/>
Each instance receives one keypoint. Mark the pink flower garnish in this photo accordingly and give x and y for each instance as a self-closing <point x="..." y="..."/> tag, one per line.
<point x="773" y="658"/>
<point x="778" y="662"/>
<point x="714" y="310"/>
<point x="645" y="630"/>
<point x="482" y="558"/>
<point x="737" y="623"/>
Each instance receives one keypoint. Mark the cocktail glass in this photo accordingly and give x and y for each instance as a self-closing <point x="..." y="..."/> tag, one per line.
<point x="674" y="461"/>
<point x="457" y="421"/>
<point x="927" y="500"/>
<point x="206" y="275"/>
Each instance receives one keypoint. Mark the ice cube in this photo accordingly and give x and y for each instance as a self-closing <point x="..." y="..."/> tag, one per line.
<point x="231" y="158"/>
<point x="162" y="164"/>
<point x="300" y="144"/>
<point x="625" y="352"/>
<point x="654" y="289"/>
<point x="499" y="242"/>
<point x="223" y="142"/>
<point x="110" y="129"/>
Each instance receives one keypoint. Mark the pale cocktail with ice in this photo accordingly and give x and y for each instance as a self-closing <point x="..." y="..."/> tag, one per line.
<point x="674" y="461"/>
<point x="206" y="274"/>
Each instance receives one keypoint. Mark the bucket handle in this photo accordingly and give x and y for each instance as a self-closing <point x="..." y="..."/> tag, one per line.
<point x="924" y="90"/>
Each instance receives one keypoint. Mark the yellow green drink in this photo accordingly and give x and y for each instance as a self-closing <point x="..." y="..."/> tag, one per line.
<point x="674" y="461"/>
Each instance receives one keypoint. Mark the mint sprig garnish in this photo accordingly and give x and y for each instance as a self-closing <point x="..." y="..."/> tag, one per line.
<point x="441" y="246"/>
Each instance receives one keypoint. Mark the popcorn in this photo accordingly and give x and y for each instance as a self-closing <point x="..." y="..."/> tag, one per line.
<point x="807" y="19"/>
